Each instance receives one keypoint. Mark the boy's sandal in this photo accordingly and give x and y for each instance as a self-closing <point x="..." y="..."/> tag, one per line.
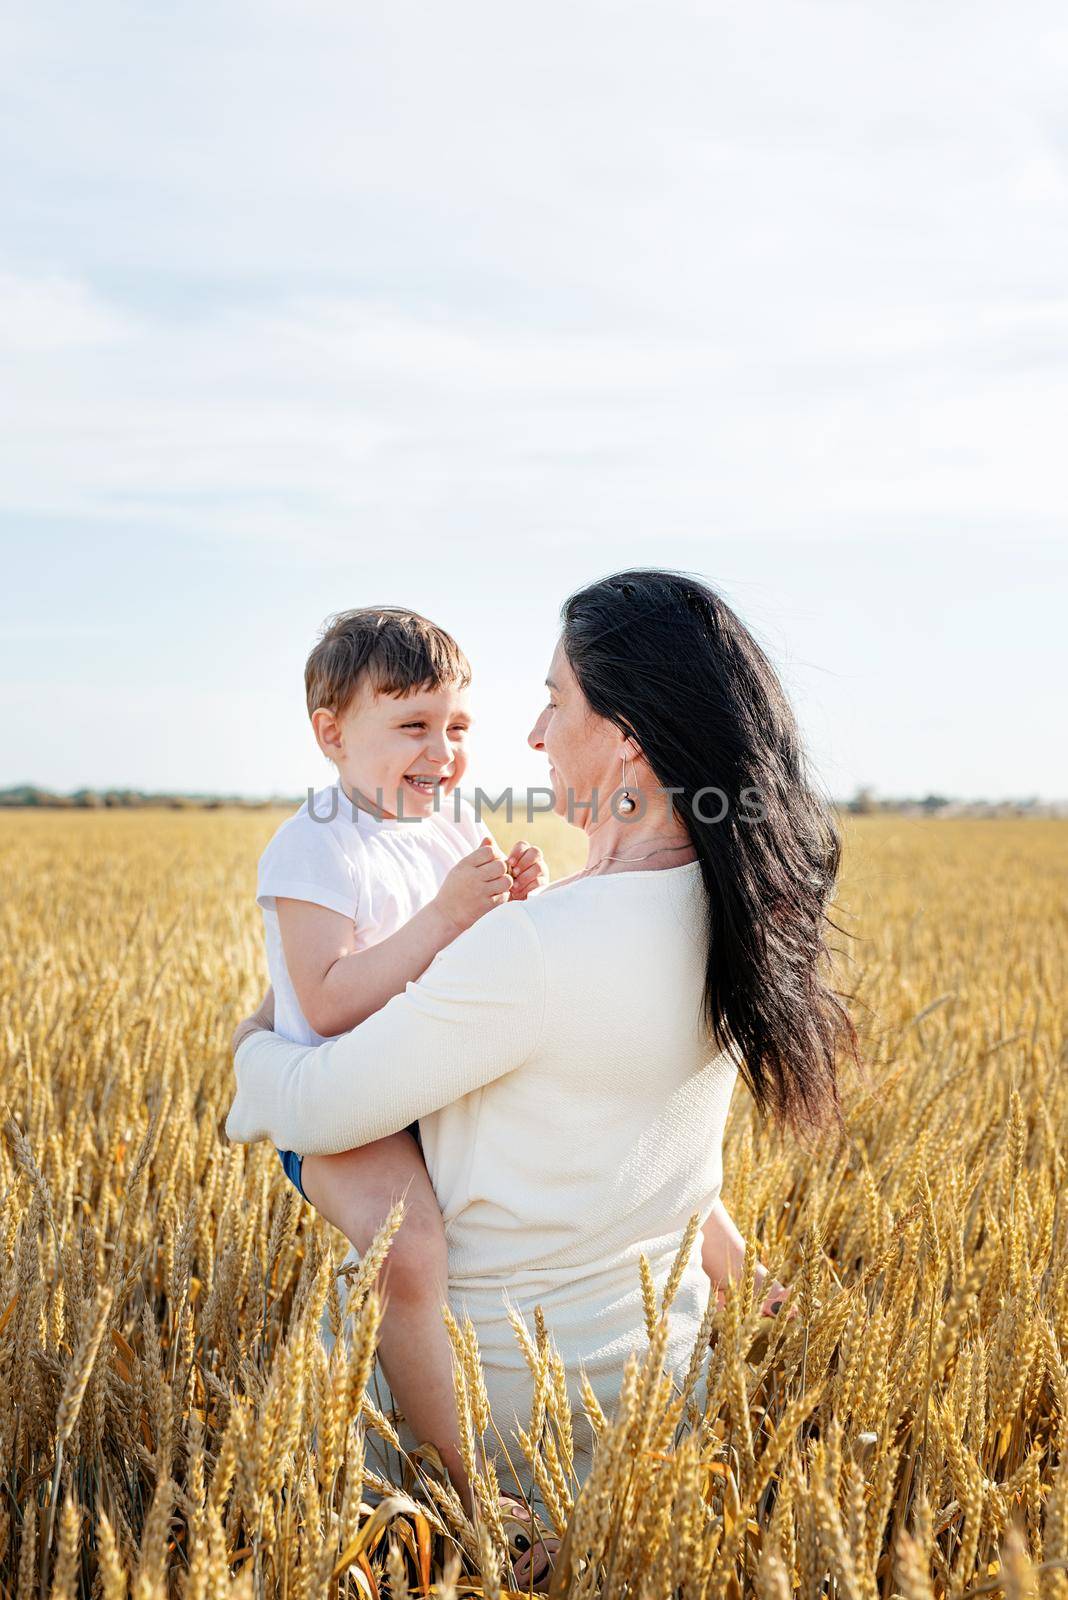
<point x="515" y="1520"/>
<point x="529" y="1548"/>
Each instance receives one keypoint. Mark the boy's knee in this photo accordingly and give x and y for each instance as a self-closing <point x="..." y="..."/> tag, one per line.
<point x="417" y="1262"/>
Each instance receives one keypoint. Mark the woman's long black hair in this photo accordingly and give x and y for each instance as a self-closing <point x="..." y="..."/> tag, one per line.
<point x="664" y="658"/>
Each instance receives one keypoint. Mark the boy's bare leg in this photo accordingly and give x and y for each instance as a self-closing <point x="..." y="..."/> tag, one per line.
<point x="355" y="1191"/>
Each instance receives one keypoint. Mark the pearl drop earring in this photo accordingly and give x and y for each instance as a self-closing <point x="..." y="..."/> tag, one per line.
<point x="627" y="804"/>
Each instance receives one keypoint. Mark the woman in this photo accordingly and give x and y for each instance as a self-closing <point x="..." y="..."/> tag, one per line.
<point x="571" y="1058"/>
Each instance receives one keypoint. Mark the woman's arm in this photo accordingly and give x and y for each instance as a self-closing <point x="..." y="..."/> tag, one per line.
<point x="723" y="1255"/>
<point x="475" y="1014"/>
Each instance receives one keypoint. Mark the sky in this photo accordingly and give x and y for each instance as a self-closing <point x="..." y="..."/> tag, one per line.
<point x="307" y="306"/>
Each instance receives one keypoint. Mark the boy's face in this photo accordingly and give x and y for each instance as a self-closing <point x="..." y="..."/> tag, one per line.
<point x="389" y="742"/>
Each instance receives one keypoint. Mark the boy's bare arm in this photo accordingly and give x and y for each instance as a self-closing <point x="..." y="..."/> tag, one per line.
<point x="338" y="987"/>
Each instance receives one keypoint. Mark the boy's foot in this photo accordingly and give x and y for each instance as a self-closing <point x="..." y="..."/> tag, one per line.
<point x="532" y="1550"/>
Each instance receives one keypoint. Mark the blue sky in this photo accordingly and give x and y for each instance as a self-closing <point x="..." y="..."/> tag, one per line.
<point x="308" y="306"/>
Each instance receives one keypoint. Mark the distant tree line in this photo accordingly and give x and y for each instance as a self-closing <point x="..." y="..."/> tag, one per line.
<point x="29" y="796"/>
<point x="864" y="803"/>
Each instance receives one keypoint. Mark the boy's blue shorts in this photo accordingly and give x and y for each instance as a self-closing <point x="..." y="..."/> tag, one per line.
<point x="292" y="1163"/>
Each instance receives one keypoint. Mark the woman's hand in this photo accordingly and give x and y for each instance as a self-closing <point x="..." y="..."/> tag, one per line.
<point x="773" y="1300"/>
<point x="529" y="871"/>
<point x="261" y="1020"/>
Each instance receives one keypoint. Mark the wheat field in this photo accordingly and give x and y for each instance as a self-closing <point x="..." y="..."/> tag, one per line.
<point x="171" y="1422"/>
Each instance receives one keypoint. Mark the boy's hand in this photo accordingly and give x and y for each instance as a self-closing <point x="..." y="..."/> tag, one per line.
<point x="528" y="869"/>
<point x="474" y="886"/>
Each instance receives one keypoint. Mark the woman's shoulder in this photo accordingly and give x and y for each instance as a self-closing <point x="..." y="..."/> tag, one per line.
<point x="594" y="896"/>
<point x="498" y="960"/>
<point x="581" y="918"/>
<point x="508" y="931"/>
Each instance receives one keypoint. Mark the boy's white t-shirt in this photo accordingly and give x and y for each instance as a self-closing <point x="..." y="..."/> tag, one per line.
<point x="378" y="871"/>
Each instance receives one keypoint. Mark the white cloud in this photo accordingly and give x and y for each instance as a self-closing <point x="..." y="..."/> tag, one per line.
<point x="778" y="270"/>
<point x="330" y="413"/>
<point x="53" y="313"/>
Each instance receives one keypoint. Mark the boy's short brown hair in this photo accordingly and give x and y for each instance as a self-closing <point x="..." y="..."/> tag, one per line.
<point x="397" y="651"/>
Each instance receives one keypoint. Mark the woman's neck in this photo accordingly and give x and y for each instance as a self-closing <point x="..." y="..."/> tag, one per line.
<point x="659" y="839"/>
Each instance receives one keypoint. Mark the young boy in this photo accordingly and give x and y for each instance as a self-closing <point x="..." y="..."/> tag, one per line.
<point x="360" y="889"/>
